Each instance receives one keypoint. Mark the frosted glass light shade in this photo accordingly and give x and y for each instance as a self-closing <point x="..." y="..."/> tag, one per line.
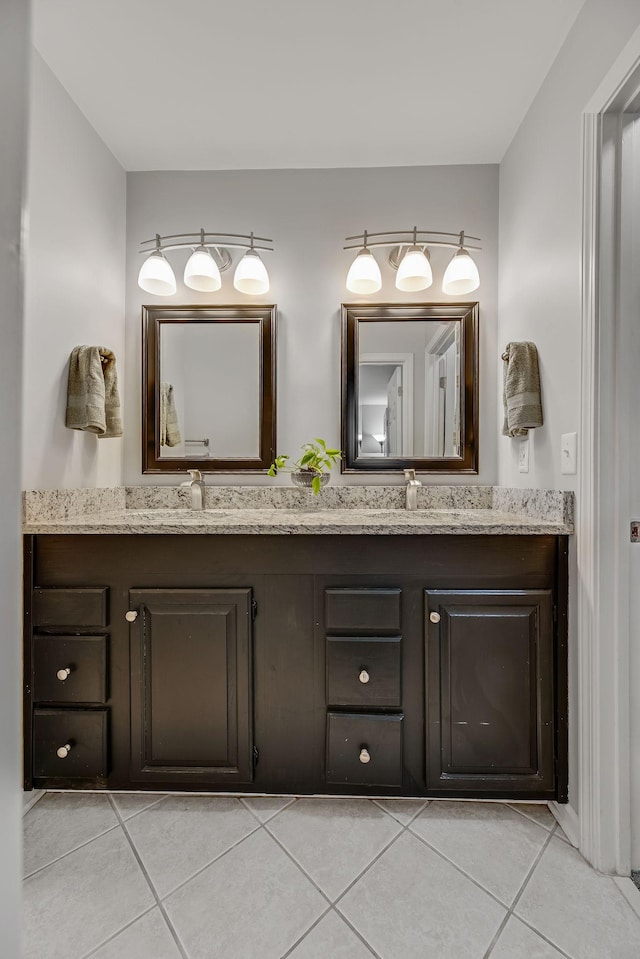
<point x="461" y="276"/>
<point x="414" y="272"/>
<point x="364" y="274"/>
<point x="156" y="276"/>
<point x="251" y="275"/>
<point x="201" y="272"/>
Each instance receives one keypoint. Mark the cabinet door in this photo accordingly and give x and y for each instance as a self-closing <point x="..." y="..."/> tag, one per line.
<point x="490" y="697"/>
<point x="191" y="686"/>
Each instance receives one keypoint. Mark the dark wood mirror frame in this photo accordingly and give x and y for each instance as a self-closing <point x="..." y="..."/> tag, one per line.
<point x="152" y="319"/>
<point x="467" y="314"/>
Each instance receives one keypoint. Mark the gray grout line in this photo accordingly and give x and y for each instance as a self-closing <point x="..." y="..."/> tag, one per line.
<point x="221" y="855"/>
<point x="305" y="934"/>
<point x="521" y="812"/>
<point x="114" y="935"/>
<point x="458" y="868"/>
<point x="542" y="936"/>
<point x="389" y="813"/>
<point x="402" y="831"/>
<point x="70" y="851"/>
<point x="518" y="896"/>
<point x="156" y="802"/>
<point x="353" y="929"/>
<point x="263" y="822"/>
<point x="297" y="864"/>
<point x="183" y="951"/>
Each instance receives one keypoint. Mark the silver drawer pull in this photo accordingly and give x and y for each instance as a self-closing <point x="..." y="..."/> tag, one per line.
<point x="63" y="751"/>
<point x="63" y="674"/>
<point x="434" y="617"/>
<point x="364" y="676"/>
<point x="365" y="756"/>
<point x="131" y="615"/>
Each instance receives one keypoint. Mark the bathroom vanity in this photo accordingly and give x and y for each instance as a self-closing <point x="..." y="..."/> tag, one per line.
<point x="332" y="651"/>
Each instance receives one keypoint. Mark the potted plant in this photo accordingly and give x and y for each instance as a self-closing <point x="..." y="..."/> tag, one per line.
<point x="311" y="470"/>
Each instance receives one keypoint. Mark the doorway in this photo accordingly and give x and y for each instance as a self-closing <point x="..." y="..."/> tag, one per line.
<point x="608" y="580"/>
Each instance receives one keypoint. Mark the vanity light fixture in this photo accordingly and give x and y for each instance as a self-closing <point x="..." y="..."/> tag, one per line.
<point x="156" y="275"/>
<point x="461" y="276"/>
<point x="251" y="274"/>
<point x="202" y="273"/>
<point x="411" y="259"/>
<point x="209" y="258"/>
<point x="364" y="274"/>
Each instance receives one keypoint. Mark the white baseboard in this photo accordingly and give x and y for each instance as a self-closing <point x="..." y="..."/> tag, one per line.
<point x="568" y="819"/>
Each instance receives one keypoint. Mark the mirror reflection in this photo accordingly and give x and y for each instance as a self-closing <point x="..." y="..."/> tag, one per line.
<point x="408" y="396"/>
<point x="209" y="387"/>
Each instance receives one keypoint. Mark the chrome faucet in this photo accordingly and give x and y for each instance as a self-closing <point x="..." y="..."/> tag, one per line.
<point x="196" y="485"/>
<point x="412" y="489"/>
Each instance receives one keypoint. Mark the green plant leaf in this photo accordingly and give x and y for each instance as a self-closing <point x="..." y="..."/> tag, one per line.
<point x="321" y="443"/>
<point x="272" y="470"/>
<point x="306" y="458"/>
<point x="316" y="484"/>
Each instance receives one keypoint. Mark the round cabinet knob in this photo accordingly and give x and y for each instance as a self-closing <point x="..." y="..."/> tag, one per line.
<point x="365" y="755"/>
<point x="364" y="676"/>
<point x="434" y="617"/>
<point x="63" y="674"/>
<point x="131" y="616"/>
<point x="63" y="751"/>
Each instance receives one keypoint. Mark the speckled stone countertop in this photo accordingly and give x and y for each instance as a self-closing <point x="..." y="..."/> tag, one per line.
<point x="355" y="510"/>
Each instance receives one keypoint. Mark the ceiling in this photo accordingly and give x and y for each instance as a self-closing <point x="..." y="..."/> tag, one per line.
<point x="249" y="84"/>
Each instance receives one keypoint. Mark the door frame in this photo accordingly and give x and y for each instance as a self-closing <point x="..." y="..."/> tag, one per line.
<point x="405" y="361"/>
<point x="602" y="826"/>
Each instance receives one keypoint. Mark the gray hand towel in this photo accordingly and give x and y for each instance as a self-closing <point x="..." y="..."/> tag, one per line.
<point x="93" y="403"/>
<point x="522" y="400"/>
<point x="169" y="428"/>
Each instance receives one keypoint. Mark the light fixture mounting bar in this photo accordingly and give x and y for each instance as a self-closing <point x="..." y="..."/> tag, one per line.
<point x="188" y="241"/>
<point x="406" y="237"/>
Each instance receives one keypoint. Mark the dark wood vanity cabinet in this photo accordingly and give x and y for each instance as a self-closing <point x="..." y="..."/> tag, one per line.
<point x="489" y="672"/>
<point x="191" y="686"/>
<point x="371" y="665"/>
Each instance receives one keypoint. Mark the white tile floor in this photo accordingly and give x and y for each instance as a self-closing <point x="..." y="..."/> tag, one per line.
<point x="186" y="877"/>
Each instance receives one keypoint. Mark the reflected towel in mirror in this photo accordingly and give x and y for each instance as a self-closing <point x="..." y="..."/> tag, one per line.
<point x="169" y="428"/>
<point x="93" y="402"/>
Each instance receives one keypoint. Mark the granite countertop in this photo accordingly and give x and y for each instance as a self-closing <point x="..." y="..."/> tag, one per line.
<point x="349" y="510"/>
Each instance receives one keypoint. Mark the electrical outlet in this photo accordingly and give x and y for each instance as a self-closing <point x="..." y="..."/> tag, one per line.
<point x="569" y="453"/>
<point x="635" y="531"/>
<point x="523" y="455"/>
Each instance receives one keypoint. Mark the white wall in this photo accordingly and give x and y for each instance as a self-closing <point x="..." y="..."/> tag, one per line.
<point x="308" y="213"/>
<point x="74" y="283"/>
<point x="14" y="33"/>
<point x="540" y="233"/>
<point x="540" y="248"/>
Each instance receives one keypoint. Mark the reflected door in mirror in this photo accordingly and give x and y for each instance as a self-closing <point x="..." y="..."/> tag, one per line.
<point x="409" y="401"/>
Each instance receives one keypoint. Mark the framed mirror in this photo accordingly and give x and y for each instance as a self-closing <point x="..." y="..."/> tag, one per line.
<point x="410" y="387"/>
<point x="209" y="388"/>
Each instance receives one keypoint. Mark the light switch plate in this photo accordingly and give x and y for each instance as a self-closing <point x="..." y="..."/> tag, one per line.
<point x="635" y="531"/>
<point x="569" y="453"/>
<point x="523" y="455"/>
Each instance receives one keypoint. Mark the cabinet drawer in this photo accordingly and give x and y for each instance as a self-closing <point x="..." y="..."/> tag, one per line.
<point x="363" y="672"/>
<point x="70" y="669"/>
<point x="365" y="610"/>
<point x="353" y="739"/>
<point x="84" y="606"/>
<point x="83" y="730"/>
